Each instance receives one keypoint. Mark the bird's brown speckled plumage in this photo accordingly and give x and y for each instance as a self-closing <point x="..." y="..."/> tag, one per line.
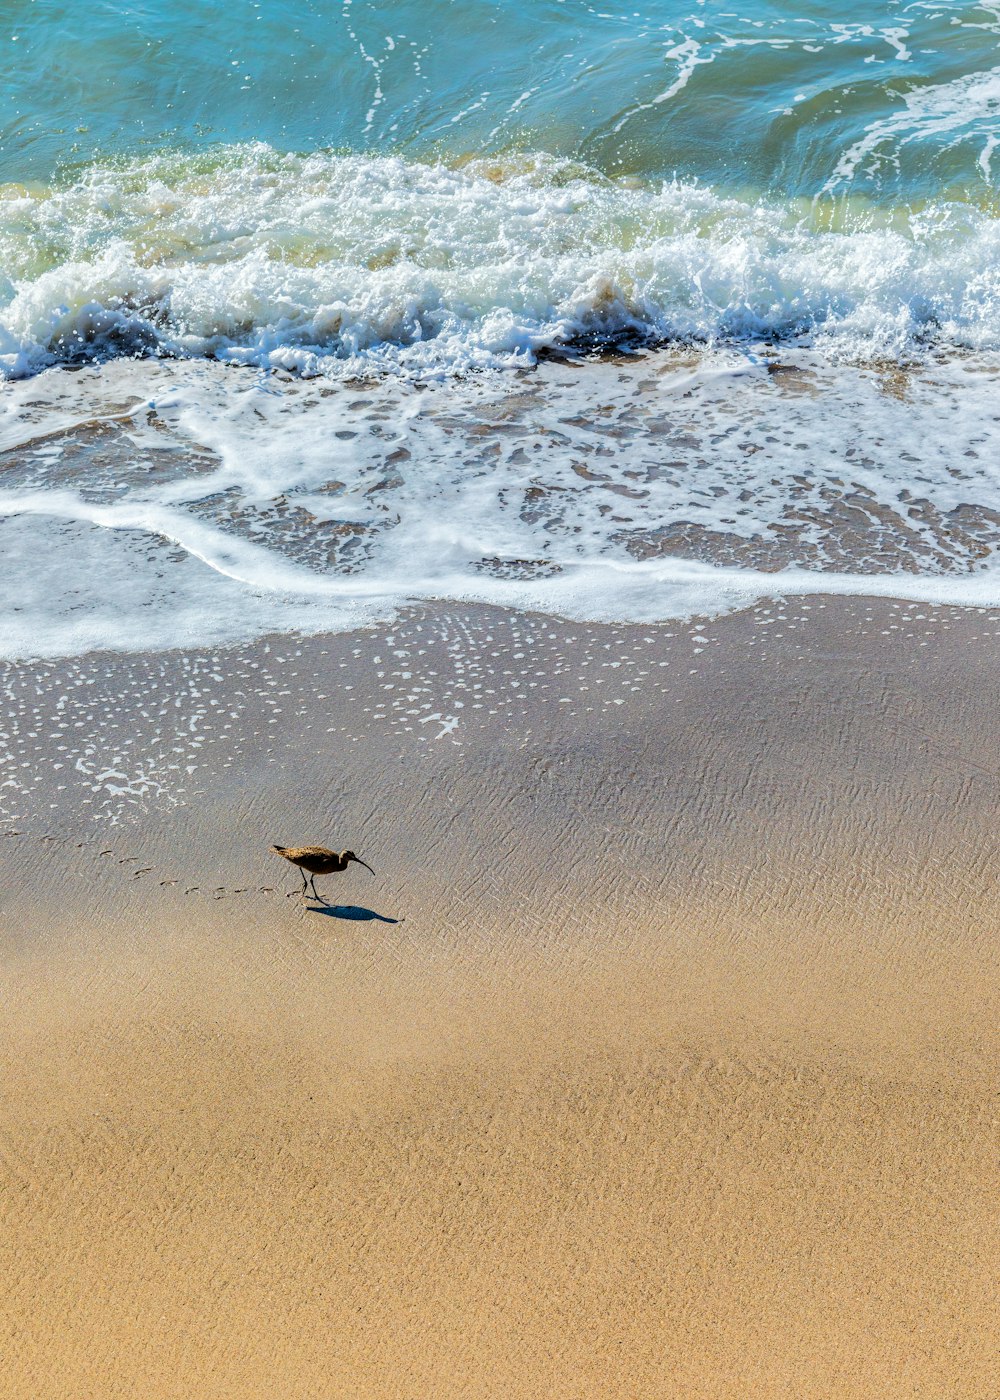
<point x="318" y="860"/>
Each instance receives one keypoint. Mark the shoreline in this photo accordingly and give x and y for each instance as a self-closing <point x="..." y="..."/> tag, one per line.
<point x="672" y="1078"/>
<point x="170" y="504"/>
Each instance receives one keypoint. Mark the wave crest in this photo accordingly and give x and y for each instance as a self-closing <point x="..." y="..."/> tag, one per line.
<point x="345" y="264"/>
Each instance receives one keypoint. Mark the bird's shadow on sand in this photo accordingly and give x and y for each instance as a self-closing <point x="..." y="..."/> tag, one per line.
<point x="355" y="913"/>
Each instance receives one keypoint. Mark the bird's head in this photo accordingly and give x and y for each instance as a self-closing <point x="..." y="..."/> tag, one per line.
<point x="349" y="855"/>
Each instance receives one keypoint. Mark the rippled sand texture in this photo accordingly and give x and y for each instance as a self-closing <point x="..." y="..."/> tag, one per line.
<point x="657" y="1059"/>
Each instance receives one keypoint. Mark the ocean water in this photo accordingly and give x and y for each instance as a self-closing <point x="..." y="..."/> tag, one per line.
<point x="309" y="309"/>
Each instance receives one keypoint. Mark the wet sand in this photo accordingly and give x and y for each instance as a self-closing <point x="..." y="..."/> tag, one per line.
<point x="657" y="1060"/>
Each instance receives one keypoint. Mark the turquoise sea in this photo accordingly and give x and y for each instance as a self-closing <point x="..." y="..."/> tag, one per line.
<point x="784" y="217"/>
<point x="894" y="102"/>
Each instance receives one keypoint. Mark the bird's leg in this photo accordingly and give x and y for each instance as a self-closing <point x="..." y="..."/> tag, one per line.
<point x="312" y="881"/>
<point x="303" y="874"/>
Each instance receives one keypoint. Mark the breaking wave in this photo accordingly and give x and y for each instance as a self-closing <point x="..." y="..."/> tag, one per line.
<point x="340" y="265"/>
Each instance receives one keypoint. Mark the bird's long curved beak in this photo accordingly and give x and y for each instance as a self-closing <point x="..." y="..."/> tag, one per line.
<point x="364" y="863"/>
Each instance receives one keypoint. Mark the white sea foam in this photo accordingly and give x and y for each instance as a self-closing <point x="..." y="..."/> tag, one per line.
<point x="941" y="114"/>
<point x="340" y="265"/>
<point x="98" y="595"/>
<point x="160" y="505"/>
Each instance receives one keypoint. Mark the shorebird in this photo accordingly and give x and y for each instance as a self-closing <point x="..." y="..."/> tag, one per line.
<point x="318" y="861"/>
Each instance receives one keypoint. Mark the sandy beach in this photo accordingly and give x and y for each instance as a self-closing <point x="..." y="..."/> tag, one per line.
<point x="550" y="451"/>
<point x="658" y="1058"/>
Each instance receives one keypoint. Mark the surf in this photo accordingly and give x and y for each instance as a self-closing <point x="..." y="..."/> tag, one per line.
<point x="327" y="264"/>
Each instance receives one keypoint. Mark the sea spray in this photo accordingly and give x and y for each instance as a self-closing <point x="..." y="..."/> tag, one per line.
<point x="344" y="265"/>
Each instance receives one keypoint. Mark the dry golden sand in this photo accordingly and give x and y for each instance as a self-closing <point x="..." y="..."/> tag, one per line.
<point x="678" y="1079"/>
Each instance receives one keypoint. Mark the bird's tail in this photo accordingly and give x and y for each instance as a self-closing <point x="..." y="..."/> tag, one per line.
<point x="278" y="850"/>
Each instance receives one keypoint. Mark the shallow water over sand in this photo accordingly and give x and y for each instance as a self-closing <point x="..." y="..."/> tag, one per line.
<point x="158" y="505"/>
